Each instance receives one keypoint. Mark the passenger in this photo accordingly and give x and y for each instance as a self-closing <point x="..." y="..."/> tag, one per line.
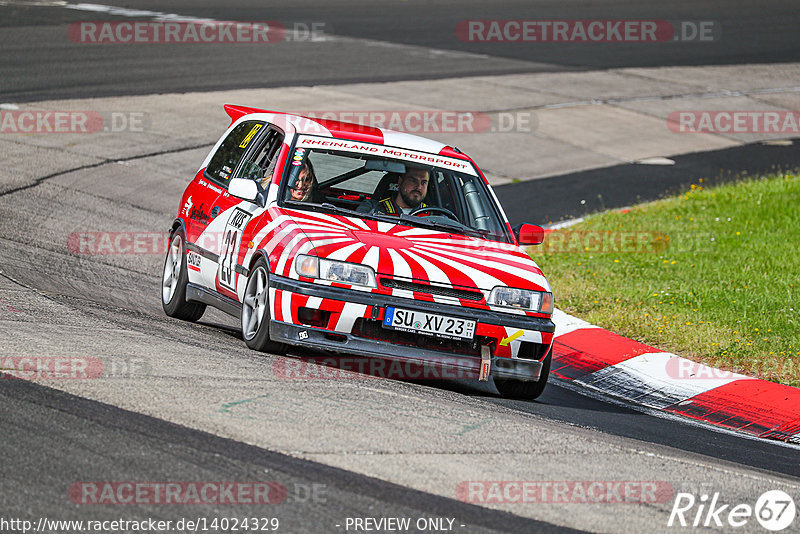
<point x="305" y="187"/>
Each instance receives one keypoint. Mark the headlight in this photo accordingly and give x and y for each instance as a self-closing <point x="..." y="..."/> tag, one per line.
<point x="522" y="299"/>
<point x="335" y="271"/>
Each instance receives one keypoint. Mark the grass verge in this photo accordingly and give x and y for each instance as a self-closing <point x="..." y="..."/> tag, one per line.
<point x="711" y="274"/>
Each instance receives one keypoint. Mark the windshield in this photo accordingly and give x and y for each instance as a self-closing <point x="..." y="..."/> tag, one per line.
<point x="394" y="185"/>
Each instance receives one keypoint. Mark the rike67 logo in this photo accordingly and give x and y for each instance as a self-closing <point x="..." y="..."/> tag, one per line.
<point x="774" y="510"/>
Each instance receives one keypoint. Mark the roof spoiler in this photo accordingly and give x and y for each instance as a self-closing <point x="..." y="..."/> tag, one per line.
<point x="235" y="112"/>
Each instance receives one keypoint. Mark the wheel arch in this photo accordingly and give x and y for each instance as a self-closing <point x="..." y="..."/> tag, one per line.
<point x="260" y="253"/>
<point x="176" y="224"/>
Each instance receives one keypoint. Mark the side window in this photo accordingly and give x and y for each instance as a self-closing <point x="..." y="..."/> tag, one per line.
<point x="260" y="162"/>
<point x="229" y="153"/>
<point x="478" y="206"/>
<point x="447" y="197"/>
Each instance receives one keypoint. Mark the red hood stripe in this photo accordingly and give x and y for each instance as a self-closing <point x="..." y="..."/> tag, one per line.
<point x="453" y="276"/>
<point x="526" y="262"/>
<point x="502" y="277"/>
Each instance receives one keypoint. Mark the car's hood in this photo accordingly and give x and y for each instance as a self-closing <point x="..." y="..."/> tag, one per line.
<point x="399" y="251"/>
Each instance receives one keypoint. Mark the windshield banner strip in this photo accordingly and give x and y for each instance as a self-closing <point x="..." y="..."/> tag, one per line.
<point x="386" y="152"/>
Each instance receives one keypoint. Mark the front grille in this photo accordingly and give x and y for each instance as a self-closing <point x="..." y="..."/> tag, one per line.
<point x="432" y="290"/>
<point x="369" y="329"/>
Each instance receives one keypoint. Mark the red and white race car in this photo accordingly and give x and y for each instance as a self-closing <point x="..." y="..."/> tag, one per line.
<point x="360" y="240"/>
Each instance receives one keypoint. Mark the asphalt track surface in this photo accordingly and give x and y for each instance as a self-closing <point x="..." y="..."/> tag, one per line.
<point x="392" y="40"/>
<point x="52" y="439"/>
<point x="578" y="194"/>
<point x="80" y="436"/>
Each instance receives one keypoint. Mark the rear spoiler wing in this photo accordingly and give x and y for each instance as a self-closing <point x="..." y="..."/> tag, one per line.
<point x="236" y="112"/>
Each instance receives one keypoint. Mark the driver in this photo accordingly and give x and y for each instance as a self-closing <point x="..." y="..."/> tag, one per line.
<point x="412" y="186"/>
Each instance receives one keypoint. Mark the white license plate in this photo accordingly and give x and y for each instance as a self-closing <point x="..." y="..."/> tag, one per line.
<point x="428" y="323"/>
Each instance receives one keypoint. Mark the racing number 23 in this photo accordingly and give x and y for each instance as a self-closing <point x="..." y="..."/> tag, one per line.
<point x="231" y="238"/>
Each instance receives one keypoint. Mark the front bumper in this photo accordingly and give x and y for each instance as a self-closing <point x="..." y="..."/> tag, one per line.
<point x="372" y="299"/>
<point x="465" y="365"/>
<point x="458" y="365"/>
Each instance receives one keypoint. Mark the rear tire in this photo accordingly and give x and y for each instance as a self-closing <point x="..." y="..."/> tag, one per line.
<point x="522" y="389"/>
<point x="174" y="280"/>
<point x="255" y="312"/>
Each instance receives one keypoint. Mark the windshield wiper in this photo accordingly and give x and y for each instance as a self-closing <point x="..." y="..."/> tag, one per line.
<point x="359" y="214"/>
<point x="325" y="206"/>
<point x="440" y="225"/>
<point x="336" y="209"/>
<point x="328" y="207"/>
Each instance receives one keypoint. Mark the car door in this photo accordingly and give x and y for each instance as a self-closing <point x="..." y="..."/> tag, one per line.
<point x="235" y="215"/>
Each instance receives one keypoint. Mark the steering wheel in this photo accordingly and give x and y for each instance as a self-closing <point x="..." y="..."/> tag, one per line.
<point x="435" y="209"/>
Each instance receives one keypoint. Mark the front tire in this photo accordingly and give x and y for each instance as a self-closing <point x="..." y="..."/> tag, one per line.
<point x="522" y="389"/>
<point x="174" y="280"/>
<point x="255" y="311"/>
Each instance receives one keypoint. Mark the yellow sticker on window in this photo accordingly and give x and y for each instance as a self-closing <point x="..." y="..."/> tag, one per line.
<point x="249" y="136"/>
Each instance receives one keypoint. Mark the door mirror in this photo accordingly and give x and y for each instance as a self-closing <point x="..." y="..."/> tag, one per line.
<point x="529" y="234"/>
<point x="243" y="188"/>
